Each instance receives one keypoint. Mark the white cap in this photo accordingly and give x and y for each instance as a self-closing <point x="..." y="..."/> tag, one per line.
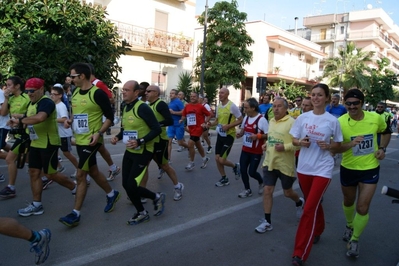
<point x="57" y="85"/>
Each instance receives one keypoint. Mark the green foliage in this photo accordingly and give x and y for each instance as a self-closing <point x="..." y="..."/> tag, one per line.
<point x="211" y="91"/>
<point x="227" y="44"/>
<point x="382" y="81"/>
<point x="349" y="69"/>
<point x="288" y="91"/>
<point x="43" y="38"/>
<point x="185" y="84"/>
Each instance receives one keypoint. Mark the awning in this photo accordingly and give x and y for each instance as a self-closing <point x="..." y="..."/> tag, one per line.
<point x="392" y="103"/>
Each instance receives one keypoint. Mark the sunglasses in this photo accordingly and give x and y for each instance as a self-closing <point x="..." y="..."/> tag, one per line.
<point x="74" y="76"/>
<point x="298" y="100"/>
<point x="148" y="91"/>
<point x="352" y="103"/>
<point x="30" y="91"/>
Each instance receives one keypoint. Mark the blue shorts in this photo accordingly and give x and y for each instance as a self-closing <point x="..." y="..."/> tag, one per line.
<point x="350" y="178"/>
<point x="177" y="131"/>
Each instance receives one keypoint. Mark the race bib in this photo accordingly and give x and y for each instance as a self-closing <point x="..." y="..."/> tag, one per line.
<point x="130" y="135"/>
<point x="32" y="133"/>
<point x="191" y="120"/>
<point x="80" y="123"/>
<point x="364" y="147"/>
<point x="220" y="131"/>
<point x="246" y="140"/>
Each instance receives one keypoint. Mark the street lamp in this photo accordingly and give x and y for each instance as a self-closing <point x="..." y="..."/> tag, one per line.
<point x="203" y="50"/>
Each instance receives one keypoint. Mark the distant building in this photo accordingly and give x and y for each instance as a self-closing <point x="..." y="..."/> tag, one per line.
<point x="370" y="30"/>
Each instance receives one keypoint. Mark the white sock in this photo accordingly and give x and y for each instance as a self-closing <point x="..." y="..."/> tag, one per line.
<point x="37" y="203"/>
<point x="111" y="194"/>
<point x="77" y="212"/>
<point x="112" y="167"/>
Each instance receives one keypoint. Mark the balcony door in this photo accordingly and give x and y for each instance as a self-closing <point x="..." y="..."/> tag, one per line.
<point x="161" y="20"/>
<point x="323" y="33"/>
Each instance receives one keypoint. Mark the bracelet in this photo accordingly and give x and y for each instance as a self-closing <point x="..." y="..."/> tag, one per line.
<point x="259" y="136"/>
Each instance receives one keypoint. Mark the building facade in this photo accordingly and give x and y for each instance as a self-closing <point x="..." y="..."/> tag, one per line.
<point x="160" y="38"/>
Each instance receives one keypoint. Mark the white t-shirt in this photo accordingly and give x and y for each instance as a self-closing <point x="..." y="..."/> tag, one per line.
<point x="3" y="118"/>
<point x="63" y="112"/>
<point x="313" y="160"/>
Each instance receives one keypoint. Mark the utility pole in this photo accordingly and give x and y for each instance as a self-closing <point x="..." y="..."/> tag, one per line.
<point x="203" y="50"/>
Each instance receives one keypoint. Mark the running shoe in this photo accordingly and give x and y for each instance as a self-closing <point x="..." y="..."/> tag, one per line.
<point x="71" y="220"/>
<point x="161" y="172"/>
<point x="178" y="192"/>
<point x="190" y="166"/>
<point x="224" y="181"/>
<point x="111" y="201"/>
<point x="41" y="247"/>
<point x="159" y="204"/>
<point x="180" y="149"/>
<point x="263" y="227"/>
<point x="297" y="261"/>
<point x="139" y="218"/>
<point x="236" y="171"/>
<point x="59" y="159"/>
<point x="73" y="175"/>
<point x="143" y="200"/>
<point x="245" y="193"/>
<point x="7" y="193"/>
<point x="205" y="163"/>
<point x="347" y="234"/>
<point x="2" y="178"/>
<point x="61" y="169"/>
<point x="113" y="174"/>
<point x="353" y="249"/>
<point x="209" y="151"/>
<point x="46" y="183"/>
<point x="31" y="210"/>
<point x="299" y="209"/>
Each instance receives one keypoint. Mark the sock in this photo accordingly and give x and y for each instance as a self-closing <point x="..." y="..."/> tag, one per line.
<point x="157" y="196"/>
<point x="11" y="187"/>
<point x="223" y="176"/>
<point x="36" y="237"/>
<point x="37" y="203"/>
<point x="144" y="212"/>
<point x="112" y="167"/>
<point x="268" y="218"/>
<point x="77" y="212"/>
<point x="44" y="178"/>
<point x="359" y="223"/>
<point x="178" y="185"/>
<point x="204" y="158"/>
<point x="111" y="194"/>
<point x="349" y="212"/>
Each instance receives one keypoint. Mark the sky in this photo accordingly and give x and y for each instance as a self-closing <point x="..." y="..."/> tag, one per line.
<point x="282" y="13"/>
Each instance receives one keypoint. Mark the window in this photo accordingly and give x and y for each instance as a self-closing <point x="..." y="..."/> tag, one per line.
<point x="161" y="20"/>
<point x="342" y="29"/>
<point x="323" y="33"/>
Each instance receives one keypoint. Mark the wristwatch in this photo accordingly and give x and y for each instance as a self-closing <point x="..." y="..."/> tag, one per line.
<point x="100" y="133"/>
<point x="141" y="142"/>
<point x="382" y="148"/>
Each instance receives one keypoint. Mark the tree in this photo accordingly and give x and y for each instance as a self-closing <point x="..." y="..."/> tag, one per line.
<point x="43" y="38"/>
<point x="227" y="44"/>
<point x="349" y="69"/>
<point x="185" y="84"/>
<point x="382" y="81"/>
<point x="290" y="92"/>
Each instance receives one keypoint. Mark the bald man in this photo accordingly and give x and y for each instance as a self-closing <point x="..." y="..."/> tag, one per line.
<point x="164" y="117"/>
<point x="228" y="116"/>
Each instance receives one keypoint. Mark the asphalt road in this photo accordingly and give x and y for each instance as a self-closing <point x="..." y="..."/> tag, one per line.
<point x="209" y="226"/>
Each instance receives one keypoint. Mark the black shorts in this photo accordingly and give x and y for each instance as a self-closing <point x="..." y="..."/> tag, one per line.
<point x="270" y="178"/>
<point x="223" y="145"/>
<point x="351" y="178"/>
<point x="44" y="158"/>
<point x="66" y="144"/>
<point x="21" y="144"/>
<point x="87" y="156"/>
<point x="161" y="152"/>
<point x="194" y="138"/>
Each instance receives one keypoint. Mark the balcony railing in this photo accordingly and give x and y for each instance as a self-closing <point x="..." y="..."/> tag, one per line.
<point x="395" y="65"/>
<point x="322" y="37"/>
<point x="153" y="39"/>
<point x="369" y="35"/>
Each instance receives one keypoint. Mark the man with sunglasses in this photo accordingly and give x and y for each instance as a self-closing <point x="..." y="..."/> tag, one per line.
<point x="381" y="110"/>
<point x="89" y="104"/>
<point x="360" y="166"/>
<point x="296" y="111"/>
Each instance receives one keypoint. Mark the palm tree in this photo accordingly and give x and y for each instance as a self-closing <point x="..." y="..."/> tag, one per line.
<point x="349" y="69"/>
<point x="185" y="84"/>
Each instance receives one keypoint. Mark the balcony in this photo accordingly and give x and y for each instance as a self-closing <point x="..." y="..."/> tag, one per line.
<point x="394" y="50"/>
<point x="319" y="38"/>
<point x="153" y="41"/>
<point x="377" y="36"/>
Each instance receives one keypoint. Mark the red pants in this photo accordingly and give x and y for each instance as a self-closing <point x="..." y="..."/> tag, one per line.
<point x="312" y="220"/>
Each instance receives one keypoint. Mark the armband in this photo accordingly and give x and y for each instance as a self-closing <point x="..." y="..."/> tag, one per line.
<point x="259" y="136"/>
